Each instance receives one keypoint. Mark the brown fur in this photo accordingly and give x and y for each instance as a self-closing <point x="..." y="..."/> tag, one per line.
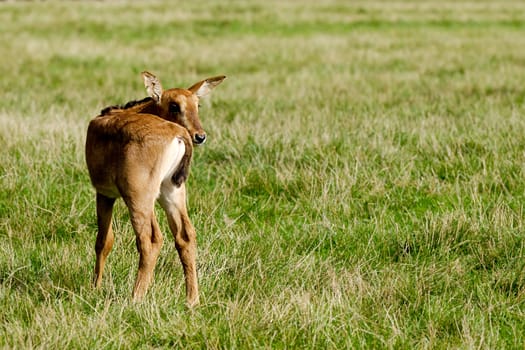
<point x="128" y="154"/>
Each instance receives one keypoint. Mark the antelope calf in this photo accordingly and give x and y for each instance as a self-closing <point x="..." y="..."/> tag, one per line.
<point x="141" y="152"/>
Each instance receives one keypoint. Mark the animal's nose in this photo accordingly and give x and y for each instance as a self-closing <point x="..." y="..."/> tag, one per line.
<point x="199" y="138"/>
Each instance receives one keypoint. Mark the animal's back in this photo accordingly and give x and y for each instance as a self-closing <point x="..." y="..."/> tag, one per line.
<point x="124" y="146"/>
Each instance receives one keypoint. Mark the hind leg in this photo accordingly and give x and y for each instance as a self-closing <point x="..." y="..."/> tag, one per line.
<point x="173" y="201"/>
<point x="105" y="236"/>
<point x="149" y="241"/>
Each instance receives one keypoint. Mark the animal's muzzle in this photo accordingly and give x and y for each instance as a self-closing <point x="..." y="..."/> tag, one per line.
<point x="199" y="138"/>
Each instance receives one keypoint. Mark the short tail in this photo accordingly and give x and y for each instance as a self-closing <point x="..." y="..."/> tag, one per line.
<point x="183" y="170"/>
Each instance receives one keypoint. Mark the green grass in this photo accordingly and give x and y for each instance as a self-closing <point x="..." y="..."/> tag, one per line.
<point x="363" y="184"/>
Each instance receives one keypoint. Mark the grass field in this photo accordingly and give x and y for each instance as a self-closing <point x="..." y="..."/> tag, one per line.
<point x="362" y="185"/>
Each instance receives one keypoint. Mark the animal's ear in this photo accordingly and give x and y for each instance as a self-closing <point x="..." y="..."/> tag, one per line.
<point x="202" y="88"/>
<point x="152" y="85"/>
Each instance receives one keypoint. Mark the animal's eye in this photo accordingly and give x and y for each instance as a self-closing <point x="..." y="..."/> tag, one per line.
<point x="174" y="108"/>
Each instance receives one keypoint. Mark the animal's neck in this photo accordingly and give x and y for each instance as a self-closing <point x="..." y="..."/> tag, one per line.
<point x="147" y="107"/>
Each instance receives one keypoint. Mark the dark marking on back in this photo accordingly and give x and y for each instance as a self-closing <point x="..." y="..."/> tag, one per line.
<point x="129" y="104"/>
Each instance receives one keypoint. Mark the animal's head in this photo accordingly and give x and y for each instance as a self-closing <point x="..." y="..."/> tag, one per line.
<point x="181" y="106"/>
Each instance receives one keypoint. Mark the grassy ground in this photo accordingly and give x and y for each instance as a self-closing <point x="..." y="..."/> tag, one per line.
<point x="362" y="185"/>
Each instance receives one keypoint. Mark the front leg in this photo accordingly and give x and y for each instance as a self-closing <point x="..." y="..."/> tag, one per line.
<point x="173" y="201"/>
